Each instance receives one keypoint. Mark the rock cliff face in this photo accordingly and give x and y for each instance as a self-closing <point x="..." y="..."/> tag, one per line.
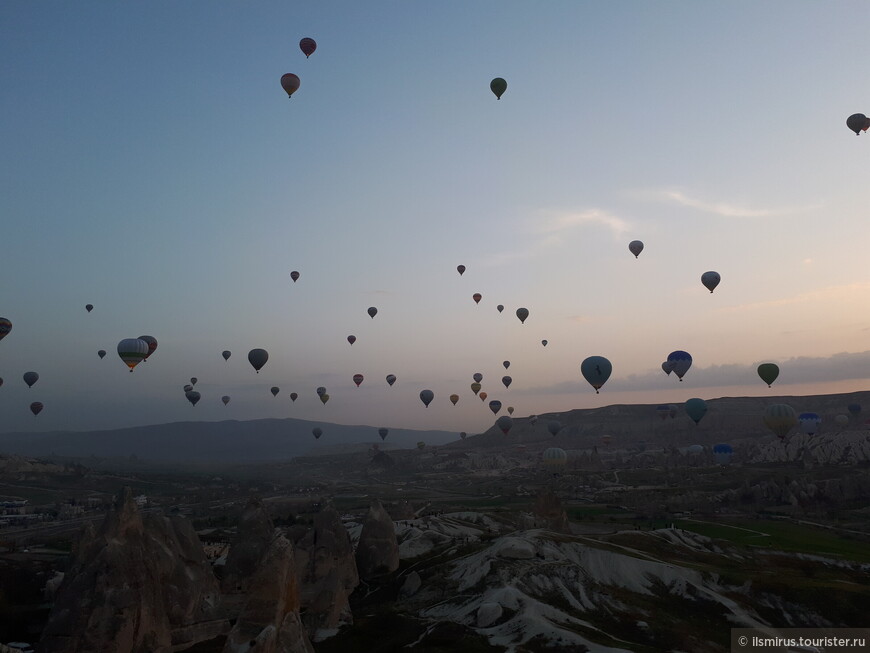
<point x="378" y="550"/>
<point x="327" y="573"/>
<point x="255" y="534"/>
<point x="136" y="585"/>
<point x="269" y="622"/>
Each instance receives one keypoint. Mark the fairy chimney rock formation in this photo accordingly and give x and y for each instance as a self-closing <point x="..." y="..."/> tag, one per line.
<point x="377" y="552"/>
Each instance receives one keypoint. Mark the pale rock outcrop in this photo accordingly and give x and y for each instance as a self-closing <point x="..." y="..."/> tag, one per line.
<point x="270" y="622"/>
<point x="138" y="584"/>
<point x="549" y="513"/>
<point x="411" y="586"/>
<point x="378" y="550"/>
<point x="326" y="569"/>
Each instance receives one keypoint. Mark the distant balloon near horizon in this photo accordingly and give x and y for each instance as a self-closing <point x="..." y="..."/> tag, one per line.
<point x="36" y="407"/>
<point x="89" y="307"/>
<point x="391" y="379"/>
<point x="858" y="122"/>
<point x="383" y="432"/>
<point x="710" y="280"/>
<point x="635" y="247"/>
<point x="30" y="378"/>
<point x="663" y="411"/>
<point x="679" y="361"/>
<point x="372" y="312"/>
<point x="226" y="354"/>
<point x="225" y="399"/>
<point x="522" y="314"/>
<point x="193" y="380"/>
<point x="722" y="453"/>
<point x="101" y="353"/>
<point x="317" y="432"/>
<point x="498" y="86"/>
<point x="505" y="423"/>
<point x="351" y="339"/>
<point x="275" y="390"/>
<point x="510" y="410"/>
<point x="290" y="83"/>
<point x="460" y="269"/>
<point x="768" y="372"/>
<point x="308" y="46"/>
<point x="854" y="409"/>
<point x="554" y="457"/>
<point x="5" y="327"/>
<point x="133" y="351"/>
<point x="780" y="418"/>
<point x="426" y="396"/>
<point x="294" y="275"/>
<point x="841" y="420"/>
<point x="257" y="358"/>
<point x="596" y="370"/>
<point x="463" y="435"/>
<point x="477" y="297"/>
<point x="809" y="423"/>
<point x="696" y="408"/>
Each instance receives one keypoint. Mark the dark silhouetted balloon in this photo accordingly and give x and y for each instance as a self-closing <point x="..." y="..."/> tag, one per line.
<point x="858" y="122"/>
<point x="510" y="410"/>
<point x="351" y="339"/>
<point x="290" y="83"/>
<point x="293" y="396"/>
<point x="635" y="247"/>
<point x="507" y="381"/>
<point x="475" y="387"/>
<point x="101" y="353"/>
<point x="193" y="396"/>
<point x="321" y="390"/>
<point x="225" y="399"/>
<point x="372" y="312"/>
<point x="696" y="408"/>
<point x="454" y="398"/>
<point x="358" y="378"/>
<point x="187" y="387"/>
<point x="544" y="342"/>
<point x="317" y="432"/>
<point x="504" y="423"/>
<point x="275" y="390"/>
<point x="383" y="432"/>
<point x="193" y="380"/>
<point x="477" y="297"/>
<point x="710" y="280"/>
<point x="463" y="435"/>
<point x="522" y="314"/>
<point x="36" y="407"/>
<point x="324" y="398"/>
<point x="679" y="362"/>
<point x="294" y="275"/>
<point x="89" y="307"/>
<point x="460" y="269"/>
<point x="768" y="372"/>
<point x="152" y="345"/>
<point x="809" y="423"/>
<point x="854" y="409"/>
<point x="391" y="379"/>
<point x="257" y="358"/>
<point x="426" y="396"/>
<point x="495" y="406"/>
<point x="226" y="354"/>
<point x="5" y="327"/>
<point x="498" y="86"/>
<point x="308" y="46"/>
<point x="477" y="376"/>
<point x="133" y="351"/>
<point x="499" y="308"/>
<point x="596" y="370"/>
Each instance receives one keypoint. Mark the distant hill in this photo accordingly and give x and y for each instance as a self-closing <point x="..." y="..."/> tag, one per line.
<point x="231" y="441"/>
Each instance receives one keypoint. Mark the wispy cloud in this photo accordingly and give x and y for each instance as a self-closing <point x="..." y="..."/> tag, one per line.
<point x="730" y="210"/>
<point x="555" y="222"/>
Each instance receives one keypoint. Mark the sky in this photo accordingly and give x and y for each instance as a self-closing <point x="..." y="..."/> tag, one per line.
<point x="151" y="165"/>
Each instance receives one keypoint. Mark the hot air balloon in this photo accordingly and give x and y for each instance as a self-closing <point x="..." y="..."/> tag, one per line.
<point x="454" y="399"/>
<point x="596" y="370"/>
<point x="854" y="409"/>
<point x="482" y="395"/>
<point x="320" y="391"/>
<point x="317" y="432"/>
<point x="477" y="376"/>
<point x="510" y="410"/>
<point x="1" y="382"/>
<point x="506" y="364"/>
<point x="841" y="420"/>
<point x="463" y="435"/>
<point x="372" y="312"/>
<point x="293" y="396"/>
<point x="324" y="398"/>
<point x="294" y="275"/>
<point x="809" y="423"/>
<point x="89" y="307"/>
<point x="101" y="353"/>
<point x="544" y="342"/>
<point x="663" y="411"/>
<point x="133" y="351"/>
<point x="460" y="269"/>
<point x="499" y="308"/>
<point x="554" y="457"/>
<point x="357" y="378"/>
<point x="193" y="396"/>
<point x="504" y="423"/>
<point x="308" y="46"/>
<point x="5" y="327"/>
<point x="187" y="388"/>
<point x="696" y="409"/>
<point x="858" y="122"/>
<point x="495" y="406"/>
<point x="695" y="449"/>
<point x="722" y="453"/>
<point x="710" y="280"/>
<point x="680" y="362"/>
<point x="193" y="380"/>
<point x="475" y="388"/>
<point x="426" y="396"/>
<point x="522" y="314"/>
<point x="477" y="297"/>
<point x="780" y="418"/>
<point x="152" y="345"/>
<point x="421" y="445"/>
<point x="257" y="358"/>
<point x="351" y="339"/>
<point x="668" y="367"/>
<point x="290" y="83"/>
<point x="36" y="407"/>
<point x="635" y="247"/>
<point x="226" y="354"/>
<point x="275" y="390"/>
<point x="383" y="432"/>
<point x="498" y="86"/>
<point x="391" y="379"/>
<point x="225" y="399"/>
<point x="507" y="381"/>
<point x="768" y="372"/>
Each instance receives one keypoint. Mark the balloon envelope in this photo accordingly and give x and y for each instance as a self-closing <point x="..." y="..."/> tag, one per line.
<point x="193" y="396"/>
<point x="635" y="247"/>
<point x="505" y="422"/>
<point x="89" y="307"/>
<point x="768" y="372"/>
<point x="679" y="362"/>
<point x="809" y="423"/>
<point x="477" y="376"/>
<point x="383" y="432"/>
<point x="507" y="381"/>
<point x="152" y="344"/>
<point x="308" y="46"/>
<point x="554" y="426"/>
<point x="351" y="339"/>
<point x="36" y="407"/>
<point x="710" y="280"/>
<point x="858" y="122"/>
<point x="257" y="358"/>
<point x="30" y="378"/>
<point x="855" y="409"/>
<point x="460" y="269"/>
<point x="290" y="83"/>
<point x="133" y="351"/>
<point x="495" y="406"/>
<point x="226" y="354"/>
<point x="722" y="453"/>
<point x="293" y="396"/>
<point x="544" y="342"/>
<point x="499" y="308"/>
<point x="475" y="388"/>
<point x="596" y="370"/>
<point x="506" y="364"/>
<point x="187" y="387"/>
<point x="324" y="398"/>
<point x="426" y="396"/>
<point x="696" y="409"/>
<point x="522" y="313"/>
<point x="780" y="418"/>
<point x="275" y="390"/>
<point x="454" y="399"/>
<point x="320" y="391"/>
<point x="294" y="275"/>
<point x="554" y="457"/>
<point x="5" y="327"/>
<point x="358" y="378"/>
<point x="372" y="312"/>
<point x="510" y="410"/>
<point x="391" y="378"/>
<point x="101" y="353"/>
<point x="498" y="86"/>
<point x="477" y="297"/>
<point x="317" y="432"/>
<point x="482" y="395"/>
<point x="225" y="399"/>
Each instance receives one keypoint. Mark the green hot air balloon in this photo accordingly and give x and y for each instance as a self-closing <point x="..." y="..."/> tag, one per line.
<point x="475" y="388"/>
<point x="133" y="351"/>
<point x="696" y="409"/>
<point x="498" y="86"/>
<point x="768" y="372"/>
<point x="596" y="370"/>
<point x="780" y="418"/>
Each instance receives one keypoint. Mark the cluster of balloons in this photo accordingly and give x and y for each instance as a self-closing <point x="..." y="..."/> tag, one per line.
<point x="135" y="350"/>
<point x="289" y="81"/>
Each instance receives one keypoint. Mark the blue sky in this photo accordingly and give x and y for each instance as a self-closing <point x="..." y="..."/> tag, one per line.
<point x="152" y="166"/>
